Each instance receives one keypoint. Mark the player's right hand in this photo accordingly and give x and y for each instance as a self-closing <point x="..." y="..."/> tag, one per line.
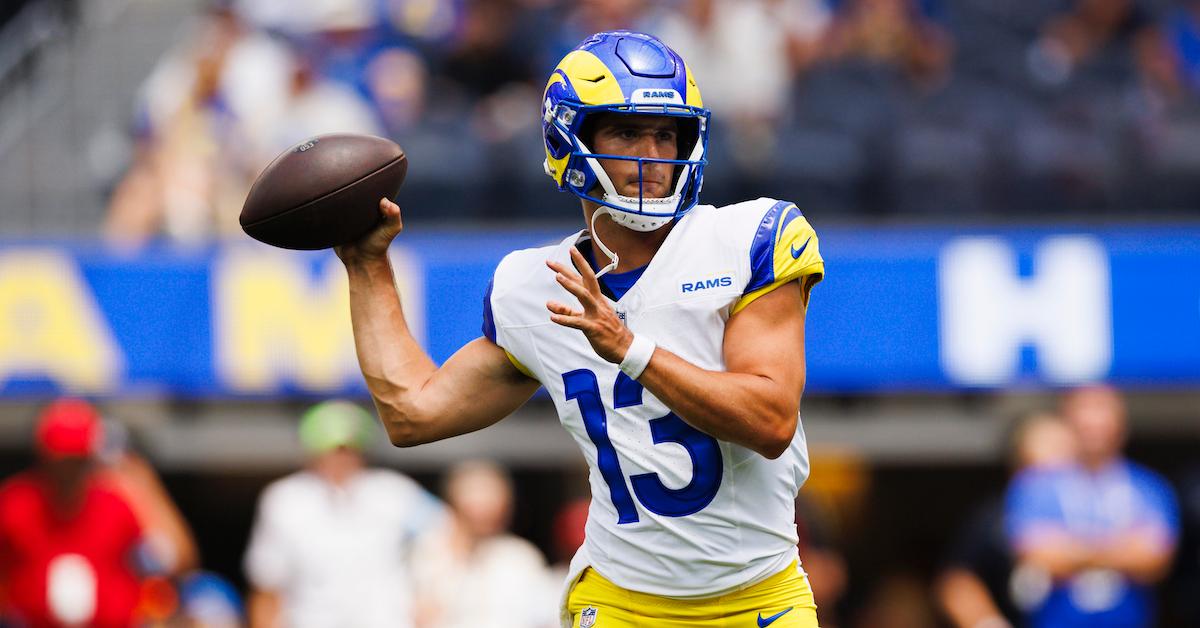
<point x="375" y="244"/>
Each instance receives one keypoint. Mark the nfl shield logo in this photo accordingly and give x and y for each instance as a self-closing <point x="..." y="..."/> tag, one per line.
<point x="587" y="618"/>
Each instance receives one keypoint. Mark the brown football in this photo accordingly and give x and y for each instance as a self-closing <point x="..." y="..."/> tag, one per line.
<point x="324" y="192"/>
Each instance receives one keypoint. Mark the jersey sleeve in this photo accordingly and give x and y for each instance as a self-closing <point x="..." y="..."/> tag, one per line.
<point x="490" y="332"/>
<point x="784" y="248"/>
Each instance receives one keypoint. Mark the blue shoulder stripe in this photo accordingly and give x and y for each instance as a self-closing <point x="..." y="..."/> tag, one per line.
<point x="489" y="324"/>
<point x="762" y="250"/>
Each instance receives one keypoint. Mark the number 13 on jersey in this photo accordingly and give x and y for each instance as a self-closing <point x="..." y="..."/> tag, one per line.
<point x="707" y="465"/>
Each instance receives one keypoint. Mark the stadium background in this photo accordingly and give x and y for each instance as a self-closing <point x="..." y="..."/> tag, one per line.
<point x="1007" y="207"/>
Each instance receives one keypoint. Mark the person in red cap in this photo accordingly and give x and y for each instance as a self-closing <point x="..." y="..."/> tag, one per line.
<point x="67" y="537"/>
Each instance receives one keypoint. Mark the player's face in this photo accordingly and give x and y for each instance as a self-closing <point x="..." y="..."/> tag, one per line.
<point x="638" y="136"/>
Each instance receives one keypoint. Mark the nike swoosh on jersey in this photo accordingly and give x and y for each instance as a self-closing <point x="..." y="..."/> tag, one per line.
<point x="763" y="622"/>
<point x="797" y="252"/>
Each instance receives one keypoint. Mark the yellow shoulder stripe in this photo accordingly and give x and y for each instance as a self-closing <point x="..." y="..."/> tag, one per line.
<point x="810" y="278"/>
<point x="796" y="255"/>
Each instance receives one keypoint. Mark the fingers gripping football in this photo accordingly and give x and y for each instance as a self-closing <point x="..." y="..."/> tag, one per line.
<point x="597" y="320"/>
<point x="375" y="243"/>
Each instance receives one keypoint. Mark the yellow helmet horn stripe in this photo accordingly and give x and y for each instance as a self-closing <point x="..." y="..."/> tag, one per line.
<point x="693" y="90"/>
<point x="591" y="79"/>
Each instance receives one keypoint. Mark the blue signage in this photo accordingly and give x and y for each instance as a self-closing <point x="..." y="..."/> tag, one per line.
<point x="901" y="309"/>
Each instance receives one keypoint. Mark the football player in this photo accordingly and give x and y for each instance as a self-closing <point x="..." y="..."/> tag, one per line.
<point x="670" y="336"/>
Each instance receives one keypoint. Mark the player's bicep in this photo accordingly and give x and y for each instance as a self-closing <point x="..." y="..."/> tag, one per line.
<point x="476" y="387"/>
<point x="766" y="338"/>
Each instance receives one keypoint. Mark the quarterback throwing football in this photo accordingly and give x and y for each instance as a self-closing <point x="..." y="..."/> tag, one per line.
<point x="670" y="336"/>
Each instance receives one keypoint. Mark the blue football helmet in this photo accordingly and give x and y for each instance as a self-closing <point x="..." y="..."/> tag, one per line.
<point x="623" y="72"/>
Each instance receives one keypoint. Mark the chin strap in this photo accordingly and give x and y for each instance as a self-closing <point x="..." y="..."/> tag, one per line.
<point x="596" y="236"/>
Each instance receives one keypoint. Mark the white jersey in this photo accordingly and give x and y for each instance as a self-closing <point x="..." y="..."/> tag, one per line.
<point x="674" y="512"/>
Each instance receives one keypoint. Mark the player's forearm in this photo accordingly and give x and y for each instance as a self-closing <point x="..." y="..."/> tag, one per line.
<point x="751" y="410"/>
<point x="393" y="364"/>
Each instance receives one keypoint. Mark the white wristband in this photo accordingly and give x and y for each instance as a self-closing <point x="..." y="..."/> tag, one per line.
<point x="638" y="356"/>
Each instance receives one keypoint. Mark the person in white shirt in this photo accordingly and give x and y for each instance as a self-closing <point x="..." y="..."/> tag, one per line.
<point x="473" y="573"/>
<point x="331" y="543"/>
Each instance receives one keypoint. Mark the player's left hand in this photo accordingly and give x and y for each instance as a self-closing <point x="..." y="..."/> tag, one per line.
<point x="608" y="335"/>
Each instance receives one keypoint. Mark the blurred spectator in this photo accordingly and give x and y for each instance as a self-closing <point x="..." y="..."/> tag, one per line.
<point x="473" y="573"/>
<point x="487" y="67"/>
<point x="1085" y="33"/>
<point x="749" y="47"/>
<point x="330" y="544"/>
<point x="218" y="109"/>
<point x="1170" y="58"/>
<point x="207" y="600"/>
<point x="330" y="45"/>
<point x="364" y="79"/>
<point x="1187" y="574"/>
<point x="896" y="33"/>
<point x="570" y="526"/>
<point x="170" y="544"/>
<point x="594" y="16"/>
<point x="482" y="58"/>
<point x="569" y="529"/>
<point x="197" y="135"/>
<point x="976" y="587"/>
<point x="67" y="536"/>
<point x="424" y="21"/>
<point x="194" y="158"/>
<point x="316" y="105"/>
<point x="1093" y="538"/>
<point x="397" y="83"/>
<point x="299" y="19"/>
<point x="899" y="600"/>
<point x="821" y="560"/>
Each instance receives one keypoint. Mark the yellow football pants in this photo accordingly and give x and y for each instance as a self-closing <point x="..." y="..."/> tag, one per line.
<point x="782" y="601"/>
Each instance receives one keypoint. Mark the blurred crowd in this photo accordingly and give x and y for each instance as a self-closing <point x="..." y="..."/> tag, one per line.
<point x="853" y="108"/>
<point x="89" y="536"/>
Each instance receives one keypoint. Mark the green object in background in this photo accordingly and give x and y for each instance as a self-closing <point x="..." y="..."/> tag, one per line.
<point x="332" y="424"/>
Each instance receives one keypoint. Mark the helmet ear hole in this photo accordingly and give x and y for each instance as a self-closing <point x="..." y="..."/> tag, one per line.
<point x="555" y="144"/>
